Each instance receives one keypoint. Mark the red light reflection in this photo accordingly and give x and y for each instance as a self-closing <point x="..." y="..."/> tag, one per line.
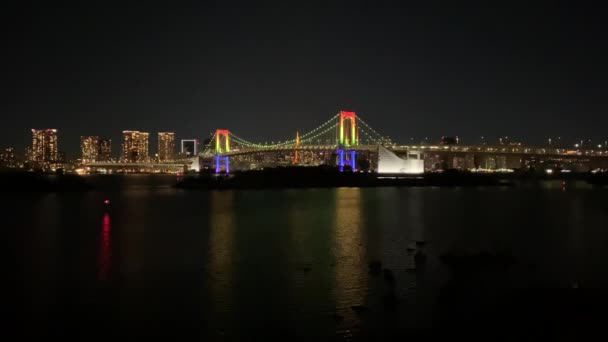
<point x="105" y="248"/>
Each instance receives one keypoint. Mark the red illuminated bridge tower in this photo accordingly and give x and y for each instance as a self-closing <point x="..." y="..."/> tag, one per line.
<point x="347" y="140"/>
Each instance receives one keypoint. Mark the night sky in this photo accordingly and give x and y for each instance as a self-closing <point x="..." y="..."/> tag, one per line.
<point x="266" y="70"/>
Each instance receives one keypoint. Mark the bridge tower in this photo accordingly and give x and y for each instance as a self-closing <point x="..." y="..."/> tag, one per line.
<point x="222" y="134"/>
<point x="347" y="140"/>
<point x="295" y="159"/>
<point x="219" y="135"/>
<point x="348" y="133"/>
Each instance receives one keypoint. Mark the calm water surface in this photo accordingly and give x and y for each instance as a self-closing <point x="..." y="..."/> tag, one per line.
<point x="241" y="265"/>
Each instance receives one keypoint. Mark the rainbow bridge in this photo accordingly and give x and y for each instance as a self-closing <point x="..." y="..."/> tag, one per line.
<point x="343" y="137"/>
<point x="346" y="139"/>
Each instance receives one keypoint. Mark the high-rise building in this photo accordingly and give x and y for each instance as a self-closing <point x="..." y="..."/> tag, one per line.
<point x="28" y="153"/>
<point x="189" y="147"/>
<point x="104" y="149"/>
<point x="88" y="148"/>
<point x="166" y="145"/>
<point x="44" y="146"/>
<point x="135" y="146"/>
<point x="7" y="157"/>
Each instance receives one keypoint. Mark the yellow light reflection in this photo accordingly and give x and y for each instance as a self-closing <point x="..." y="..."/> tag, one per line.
<point x="221" y="247"/>
<point x="349" y="251"/>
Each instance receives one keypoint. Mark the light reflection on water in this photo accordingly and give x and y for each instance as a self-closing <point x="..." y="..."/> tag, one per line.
<point x="220" y="260"/>
<point x="135" y="212"/>
<point x="349" y="249"/>
<point x="105" y="248"/>
<point x="291" y="257"/>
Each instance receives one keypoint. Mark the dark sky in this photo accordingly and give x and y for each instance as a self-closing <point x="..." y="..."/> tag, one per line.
<point x="266" y="70"/>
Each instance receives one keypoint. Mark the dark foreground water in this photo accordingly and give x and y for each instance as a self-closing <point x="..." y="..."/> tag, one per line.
<point x="291" y="264"/>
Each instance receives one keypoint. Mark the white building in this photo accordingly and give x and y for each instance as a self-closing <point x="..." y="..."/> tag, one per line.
<point x="196" y="164"/>
<point x="389" y="162"/>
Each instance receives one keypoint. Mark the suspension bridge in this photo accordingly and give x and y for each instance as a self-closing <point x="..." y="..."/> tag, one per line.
<point x="344" y="136"/>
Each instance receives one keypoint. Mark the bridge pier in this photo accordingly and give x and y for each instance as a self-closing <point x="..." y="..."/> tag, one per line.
<point x="218" y="163"/>
<point x="350" y="155"/>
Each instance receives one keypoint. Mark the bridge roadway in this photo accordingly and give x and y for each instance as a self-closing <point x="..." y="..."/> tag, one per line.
<point x="169" y="165"/>
<point x="512" y="150"/>
<point x="464" y="149"/>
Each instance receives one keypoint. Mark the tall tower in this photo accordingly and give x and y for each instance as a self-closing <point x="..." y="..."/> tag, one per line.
<point x="348" y="129"/>
<point x="88" y="148"/>
<point x="144" y="139"/>
<point x="130" y="146"/>
<point x="104" y="152"/>
<point x="44" y="146"/>
<point x="219" y="135"/>
<point x="166" y="146"/>
<point x="37" y="150"/>
<point x="134" y="146"/>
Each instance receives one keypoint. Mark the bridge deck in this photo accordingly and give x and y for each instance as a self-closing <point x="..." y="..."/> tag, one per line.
<point x="511" y="150"/>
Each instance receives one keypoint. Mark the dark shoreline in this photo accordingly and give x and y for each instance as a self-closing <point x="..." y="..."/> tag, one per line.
<point x="298" y="178"/>
<point x="295" y="178"/>
<point x="42" y="182"/>
<point x="360" y="181"/>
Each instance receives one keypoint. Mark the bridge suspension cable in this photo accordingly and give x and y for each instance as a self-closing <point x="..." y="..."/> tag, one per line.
<point x="306" y="137"/>
<point x="207" y="148"/>
<point x="333" y="119"/>
<point x="330" y="129"/>
<point x="247" y="143"/>
<point x="380" y="139"/>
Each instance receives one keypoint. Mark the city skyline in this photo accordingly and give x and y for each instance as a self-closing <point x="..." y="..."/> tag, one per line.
<point x="74" y="151"/>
